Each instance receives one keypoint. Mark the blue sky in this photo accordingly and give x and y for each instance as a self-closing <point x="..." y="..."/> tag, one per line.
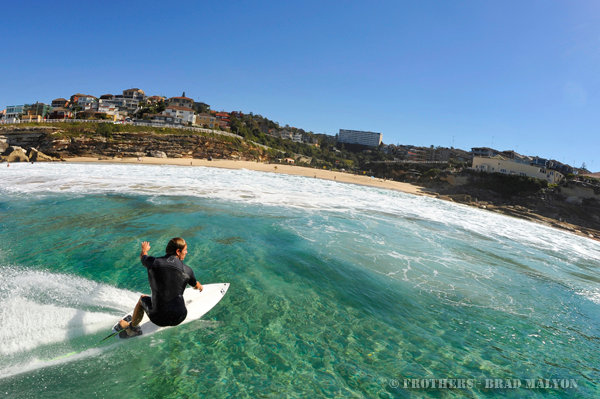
<point x="520" y="75"/>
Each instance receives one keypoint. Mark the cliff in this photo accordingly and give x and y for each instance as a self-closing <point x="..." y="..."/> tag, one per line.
<point x="574" y="206"/>
<point x="58" y="144"/>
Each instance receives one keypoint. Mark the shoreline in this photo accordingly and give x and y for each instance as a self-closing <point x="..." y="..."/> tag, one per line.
<point x="323" y="174"/>
<point x="342" y="177"/>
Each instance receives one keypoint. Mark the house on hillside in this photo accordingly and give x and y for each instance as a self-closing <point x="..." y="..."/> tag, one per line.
<point x="154" y="99"/>
<point x="35" y="112"/>
<point x="124" y="104"/>
<point x="85" y="101"/>
<point x="500" y="164"/>
<point x="109" y="109"/>
<point x="182" y="101"/>
<point x="186" y="114"/>
<point x="206" y="120"/>
<point x="135" y="93"/>
<point x="60" y="109"/>
<point x="164" y="119"/>
<point x="60" y="113"/>
<point x="484" y="152"/>
<point x="13" y="113"/>
<point x="224" y="119"/>
<point x="60" y="103"/>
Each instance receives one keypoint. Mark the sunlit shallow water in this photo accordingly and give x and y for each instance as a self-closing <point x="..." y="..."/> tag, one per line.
<point x="336" y="289"/>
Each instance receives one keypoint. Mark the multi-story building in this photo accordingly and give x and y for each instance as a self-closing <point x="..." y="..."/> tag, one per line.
<point x="223" y="118"/>
<point x="184" y="113"/>
<point x="136" y="94"/>
<point x="499" y="164"/>
<point x="60" y="109"/>
<point x="14" y="112"/>
<point x="181" y="102"/>
<point x="35" y="112"/>
<point x="85" y="101"/>
<point x="206" y="120"/>
<point x="105" y="107"/>
<point x="60" y="103"/>
<point x="165" y="119"/>
<point x="123" y="104"/>
<point x="369" y="139"/>
<point x="484" y="152"/>
<point x="155" y="99"/>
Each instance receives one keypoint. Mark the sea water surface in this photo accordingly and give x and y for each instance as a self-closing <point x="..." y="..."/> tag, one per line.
<point x="337" y="290"/>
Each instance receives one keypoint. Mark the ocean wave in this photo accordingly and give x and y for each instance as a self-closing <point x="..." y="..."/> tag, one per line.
<point x="301" y="193"/>
<point x="42" y="312"/>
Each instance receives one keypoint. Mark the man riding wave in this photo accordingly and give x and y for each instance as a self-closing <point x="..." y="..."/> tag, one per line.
<point x="168" y="277"/>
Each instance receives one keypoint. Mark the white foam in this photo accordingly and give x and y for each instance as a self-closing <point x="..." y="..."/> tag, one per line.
<point x="31" y="324"/>
<point x="40" y="308"/>
<point x="591" y="294"/>
<point x="269" y="189"/>
<point x="7" y="371"/>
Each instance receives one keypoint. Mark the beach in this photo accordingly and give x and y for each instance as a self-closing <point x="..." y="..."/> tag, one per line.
<point x="287" y="169"/>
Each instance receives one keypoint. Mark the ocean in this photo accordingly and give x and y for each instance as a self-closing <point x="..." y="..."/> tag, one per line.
<point x="337" y="290"/>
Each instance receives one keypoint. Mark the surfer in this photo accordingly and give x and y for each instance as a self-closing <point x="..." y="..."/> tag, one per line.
<point x="168" y="276"/>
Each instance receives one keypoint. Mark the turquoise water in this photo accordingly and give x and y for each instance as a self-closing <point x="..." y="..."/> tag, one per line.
<point x="336" y="290"/>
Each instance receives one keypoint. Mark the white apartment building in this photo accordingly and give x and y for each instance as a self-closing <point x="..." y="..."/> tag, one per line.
<point x="498" y="164"/>
<point x="110" y="109"/>
<point x="184" y="113"/>
<point x="370" y="139"/>
<point x="87" y="102"/>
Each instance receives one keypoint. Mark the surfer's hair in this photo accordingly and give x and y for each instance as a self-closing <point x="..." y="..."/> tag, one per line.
<point x="175" y="244"/>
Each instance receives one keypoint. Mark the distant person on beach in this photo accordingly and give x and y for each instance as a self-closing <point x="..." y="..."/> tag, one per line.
<point x="168" y="276"/>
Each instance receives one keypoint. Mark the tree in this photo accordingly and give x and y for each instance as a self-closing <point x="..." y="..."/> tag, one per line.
<point x="201" y="108"/>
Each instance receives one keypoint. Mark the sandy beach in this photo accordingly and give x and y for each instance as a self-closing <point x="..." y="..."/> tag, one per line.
<point x="264" y="167"/>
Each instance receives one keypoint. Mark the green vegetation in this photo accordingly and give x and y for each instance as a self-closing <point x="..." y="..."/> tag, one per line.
<point x="150" y="108"/>
<point x="507" y="185"/>
<point x="320" y="151"/>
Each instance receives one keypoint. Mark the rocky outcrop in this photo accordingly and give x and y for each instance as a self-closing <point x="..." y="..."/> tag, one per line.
<point x="14" y="154"/>
<point x="3" y="145"/>
<point x="37" y="156"/>
<point x="56" y="144"/>
<point x="572" y="208"/>
<point x="157" y="154"/>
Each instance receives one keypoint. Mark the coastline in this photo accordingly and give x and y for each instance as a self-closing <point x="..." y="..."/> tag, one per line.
<point x="324" y="174"/>
<point x="343" y="177"/>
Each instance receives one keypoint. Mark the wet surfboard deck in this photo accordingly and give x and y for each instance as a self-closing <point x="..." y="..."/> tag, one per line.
<point x="198" y="303"/>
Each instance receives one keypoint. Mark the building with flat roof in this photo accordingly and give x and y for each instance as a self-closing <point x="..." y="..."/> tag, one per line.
<point x="499" y="164"/>
<point x="370" y="139"/>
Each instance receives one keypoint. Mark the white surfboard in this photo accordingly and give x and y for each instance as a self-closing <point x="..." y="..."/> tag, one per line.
<point x="198" y="303"/>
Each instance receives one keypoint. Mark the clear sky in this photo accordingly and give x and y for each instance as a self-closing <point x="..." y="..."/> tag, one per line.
<point x="521" y="75"/>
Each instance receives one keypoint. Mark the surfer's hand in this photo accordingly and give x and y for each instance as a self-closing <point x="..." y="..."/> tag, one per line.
<point x="199" y="286"/>
<point x="145" y="247"/>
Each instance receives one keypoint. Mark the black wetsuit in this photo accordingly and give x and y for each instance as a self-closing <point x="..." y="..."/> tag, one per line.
<point x="168" y="277"/>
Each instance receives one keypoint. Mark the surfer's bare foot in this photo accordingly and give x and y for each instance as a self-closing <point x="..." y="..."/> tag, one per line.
<point x="133" y="331"/>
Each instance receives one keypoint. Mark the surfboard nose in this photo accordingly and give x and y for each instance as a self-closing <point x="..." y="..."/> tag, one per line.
<point x="224" y="288"/>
